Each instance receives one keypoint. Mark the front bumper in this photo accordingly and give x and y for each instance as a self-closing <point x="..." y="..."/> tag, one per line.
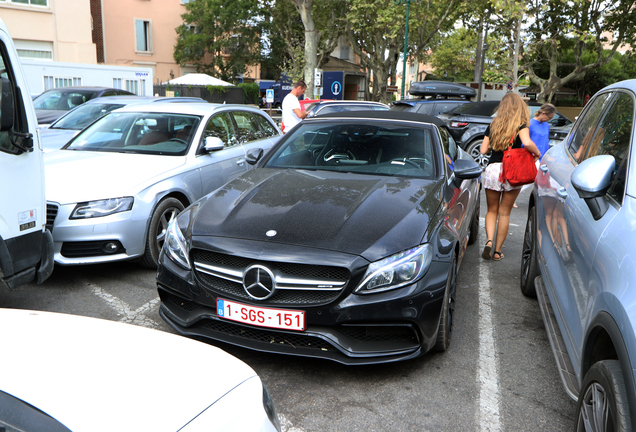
<point x="83" y="241"/>
<point x="350" y="329"/>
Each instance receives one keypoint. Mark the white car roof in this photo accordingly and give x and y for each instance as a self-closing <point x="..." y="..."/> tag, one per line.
<point x="97" y="375"/>
<point x="193" y="108"/>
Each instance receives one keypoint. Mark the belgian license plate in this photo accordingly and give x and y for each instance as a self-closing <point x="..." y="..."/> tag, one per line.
<point x="260" y="316"/>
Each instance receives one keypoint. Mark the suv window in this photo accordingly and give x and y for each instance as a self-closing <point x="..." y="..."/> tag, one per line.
<point x="442" y="107"/>
<point x="586" y="135"/>
<point x="614" y="134"/>
<point x="425" y="108"/>
<point x="485" y="108"/>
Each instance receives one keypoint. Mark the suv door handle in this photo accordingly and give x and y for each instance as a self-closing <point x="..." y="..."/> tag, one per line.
<point x="562" y="193"/>
<point x="240" y="161"/>
<point x="544" y="168"/>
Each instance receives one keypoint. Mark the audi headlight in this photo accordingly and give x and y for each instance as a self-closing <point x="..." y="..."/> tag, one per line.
<point x="101" y="208"/>
<point x="396" y="271"/>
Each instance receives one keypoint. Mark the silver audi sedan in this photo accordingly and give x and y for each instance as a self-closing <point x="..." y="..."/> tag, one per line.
<point x="112" y="190"/>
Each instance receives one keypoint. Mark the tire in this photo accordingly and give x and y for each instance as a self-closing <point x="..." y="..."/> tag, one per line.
<point x="529" y="256"/>
<point x="603" y="405"/>
<point x="445" y="329"/>
<point x="474" y="150"/>
<point x="157" y="230"/>
<point x="474" y="224"/>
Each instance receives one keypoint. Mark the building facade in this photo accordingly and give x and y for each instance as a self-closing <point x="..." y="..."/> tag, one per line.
<point x="142" y="33"/>
<point x="57" y="30"/>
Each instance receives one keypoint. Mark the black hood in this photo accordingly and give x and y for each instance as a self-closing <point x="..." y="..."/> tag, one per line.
<point x="369" y="216"/>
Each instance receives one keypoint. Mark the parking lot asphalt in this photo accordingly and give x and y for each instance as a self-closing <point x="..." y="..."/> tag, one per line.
<point x="498" y="375"/>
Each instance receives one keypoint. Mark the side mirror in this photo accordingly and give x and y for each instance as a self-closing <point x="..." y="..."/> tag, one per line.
<point x="591" y="180"/>
<point x="254" y="155"/>
<point x="6" y="106"/>
<point x="464" y="169"/>
<point x="213" y="144"/>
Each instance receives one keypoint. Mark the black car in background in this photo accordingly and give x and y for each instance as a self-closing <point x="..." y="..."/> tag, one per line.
<point x="467" y="123"/>
<point x="53" y="104"/>
<point x="427" y="106"/>
<point x="434" y="97"/>
<point x="343" y="243"/>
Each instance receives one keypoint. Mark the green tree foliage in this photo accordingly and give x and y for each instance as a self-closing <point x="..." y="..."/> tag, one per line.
<point x="220" y="37"/>
<point x="285" y="35"/>
<point x="455" y="55"/>
<point x="287" y="29"/>
<point x="557" y="29"/>
<point x="323" y="23"/>
<point x="376" y="30"/>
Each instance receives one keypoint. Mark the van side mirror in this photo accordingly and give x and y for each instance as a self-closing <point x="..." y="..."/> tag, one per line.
<point x="6" y="106"/>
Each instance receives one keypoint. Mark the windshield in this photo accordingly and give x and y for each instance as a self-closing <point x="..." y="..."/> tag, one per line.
<point x="144" y="133"/>
<point x="84" y="115"/>
<point x="62" y="99"/>
<point x="354" y="146"/>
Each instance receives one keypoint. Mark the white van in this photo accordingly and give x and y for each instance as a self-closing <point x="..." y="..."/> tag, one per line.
<point x="26" y="246"/>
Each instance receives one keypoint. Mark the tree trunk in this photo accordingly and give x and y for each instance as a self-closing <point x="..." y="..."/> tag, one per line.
<point x="478" y="51"/>
<point x="312" y="38"/>
<point x="515" y="59"/>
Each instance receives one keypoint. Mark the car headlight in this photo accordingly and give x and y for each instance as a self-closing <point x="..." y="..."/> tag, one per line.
<point x="396" y="271"/>
<point x="175" y="244"/>
<point x="101" y="208"/>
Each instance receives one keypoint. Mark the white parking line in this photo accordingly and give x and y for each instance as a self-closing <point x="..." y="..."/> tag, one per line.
<point x="489" y="398"/>
<point x="286" y="425"/>
<point x="138" y="317"/>
<point x="130" y="316"/>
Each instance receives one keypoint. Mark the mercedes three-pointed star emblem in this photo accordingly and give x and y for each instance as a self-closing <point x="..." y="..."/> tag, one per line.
<point x="259" y="282"/>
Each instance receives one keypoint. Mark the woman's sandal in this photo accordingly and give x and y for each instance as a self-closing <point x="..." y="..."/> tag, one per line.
<point x="497" y="256"/>
<point x="487" y="248"/>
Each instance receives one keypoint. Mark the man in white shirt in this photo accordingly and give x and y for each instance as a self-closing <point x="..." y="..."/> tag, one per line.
<point x="292" y="114"/>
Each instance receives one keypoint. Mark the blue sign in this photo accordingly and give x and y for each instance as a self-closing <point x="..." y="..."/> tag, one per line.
<point x="332" y="85"/>
<point x="336" y="88"/>
<point x="269" y="95"/>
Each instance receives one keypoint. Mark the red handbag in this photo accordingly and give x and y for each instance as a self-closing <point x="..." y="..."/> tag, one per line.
<point x="517" y="167"/>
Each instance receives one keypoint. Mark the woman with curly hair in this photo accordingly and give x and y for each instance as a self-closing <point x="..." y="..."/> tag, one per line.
<point x="508" y="128"/>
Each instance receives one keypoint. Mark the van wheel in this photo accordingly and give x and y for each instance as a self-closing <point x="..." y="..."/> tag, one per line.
<point x="474" y="150"/>
<point x="603" y="405"/>
<point x="444" y="332"/>
<point x="529" y="256"/>
<point x="165" y="210"/>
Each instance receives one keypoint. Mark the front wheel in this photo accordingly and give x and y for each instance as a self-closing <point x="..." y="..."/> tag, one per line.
<point x="529" y="256"/>
<point x="448" y="310"/>
<point x="159" y="221"/>
<point x="603" y="405"/>
<point x="474" y="150"/>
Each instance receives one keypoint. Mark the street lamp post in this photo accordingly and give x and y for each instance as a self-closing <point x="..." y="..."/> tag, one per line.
<point x="406" y="40"/>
